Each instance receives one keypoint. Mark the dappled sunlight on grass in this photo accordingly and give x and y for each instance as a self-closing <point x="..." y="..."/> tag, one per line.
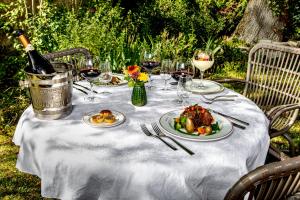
<point x="13" y="183"/>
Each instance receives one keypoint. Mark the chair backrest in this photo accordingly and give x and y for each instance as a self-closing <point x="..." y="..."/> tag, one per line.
<point x="71" y="56"/>
<point x="273" y="76"/>
<point x="277" y="180"/>
<point x="75" y="57"/>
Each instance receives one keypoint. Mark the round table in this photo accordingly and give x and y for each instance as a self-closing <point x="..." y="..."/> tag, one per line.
<point x="76" y="161"/>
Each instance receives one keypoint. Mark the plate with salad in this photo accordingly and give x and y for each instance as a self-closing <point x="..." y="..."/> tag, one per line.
<point x="196" y="123"/>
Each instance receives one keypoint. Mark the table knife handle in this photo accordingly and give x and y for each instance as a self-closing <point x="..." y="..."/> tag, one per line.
<point x="168" y="144"/>
<point x="233" y="118"/>
<point x="237" y="125"/>
<point x="181" y="145"/>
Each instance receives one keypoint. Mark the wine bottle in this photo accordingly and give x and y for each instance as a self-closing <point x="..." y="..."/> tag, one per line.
<point x="37" y="63"/>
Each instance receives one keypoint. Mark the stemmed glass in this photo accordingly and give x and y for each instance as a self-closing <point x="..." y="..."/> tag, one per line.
<point x="202" y="60"/>
<point x="166" y="70"/>
<point x="90" y="72"/>
<point x="106" y="74"/>
<point x="183" y="91"/>
<point x="149" y="64"/>
<point x="183" y="67"/>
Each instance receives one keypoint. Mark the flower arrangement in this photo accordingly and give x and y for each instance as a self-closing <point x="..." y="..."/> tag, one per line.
<point x="133" y="75"/>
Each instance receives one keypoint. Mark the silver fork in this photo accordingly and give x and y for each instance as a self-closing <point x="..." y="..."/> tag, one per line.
<point x="218" y="96"/>
<point x="161" y="134"/>
<point x="210" y="102"/>
<point x="148" y="133"/>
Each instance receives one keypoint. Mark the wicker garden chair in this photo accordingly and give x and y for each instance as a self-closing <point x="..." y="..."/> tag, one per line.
<point x="278" y="180"/>
<point x="273" y="83"/>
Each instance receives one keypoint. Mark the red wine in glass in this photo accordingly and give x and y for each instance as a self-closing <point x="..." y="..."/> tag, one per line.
<point x="90" y="73"/>
<point x="149" y="65"/>
<point x="177" y="74"/>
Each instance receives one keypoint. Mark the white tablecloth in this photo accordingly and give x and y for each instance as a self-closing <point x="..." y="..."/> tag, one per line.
<point x="75" y="161"/>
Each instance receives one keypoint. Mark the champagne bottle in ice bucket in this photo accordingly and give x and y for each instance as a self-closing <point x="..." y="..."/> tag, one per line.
<point x="38" y="64"/>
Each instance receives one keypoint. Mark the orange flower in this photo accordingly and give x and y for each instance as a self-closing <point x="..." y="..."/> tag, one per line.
<point x="132" y="69"/>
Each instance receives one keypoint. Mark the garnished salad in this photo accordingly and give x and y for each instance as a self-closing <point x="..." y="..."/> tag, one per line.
<point x="196" y="120"/>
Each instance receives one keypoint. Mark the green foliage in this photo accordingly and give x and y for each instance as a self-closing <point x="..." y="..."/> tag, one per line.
<point x="288" y="11"/>
<point x="294" y="27"/>
<point x="278" y="7"/>
<point x="200" y="17"/>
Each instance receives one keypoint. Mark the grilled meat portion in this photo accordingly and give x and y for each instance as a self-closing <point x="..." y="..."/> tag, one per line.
<point x="199" y="115"/>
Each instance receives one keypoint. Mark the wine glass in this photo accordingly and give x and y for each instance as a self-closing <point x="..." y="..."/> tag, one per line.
<point x="182" y="67"/>
<point x="149" y="64"/>
<point x="166" y="70"/>
<point x="106" y="74"/>
<point x="183" y="91"/>
<point x="90" y="72"/>
<point x="202" y="60"/>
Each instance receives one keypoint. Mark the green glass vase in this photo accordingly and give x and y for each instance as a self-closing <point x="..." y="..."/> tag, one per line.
<point x="139" y="95"/>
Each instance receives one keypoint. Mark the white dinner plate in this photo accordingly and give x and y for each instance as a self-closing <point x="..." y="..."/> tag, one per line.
<point x="120" y="76"/>
<point x="210" y="87"/>
<point x="120" y="118"/>
<point x="167" y="123"/>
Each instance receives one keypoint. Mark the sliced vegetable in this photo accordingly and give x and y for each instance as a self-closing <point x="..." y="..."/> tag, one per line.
<point x="215" y="127"/>
<point x="183" y="120"/>
<point x="208" y="130"/>
<point x="201" y="130"/>
<point x="189" y="126"/>
<point x="178" y="126"/>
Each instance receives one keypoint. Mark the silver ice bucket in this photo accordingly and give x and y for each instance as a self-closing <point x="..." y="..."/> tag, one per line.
<point x="51" y="94"/>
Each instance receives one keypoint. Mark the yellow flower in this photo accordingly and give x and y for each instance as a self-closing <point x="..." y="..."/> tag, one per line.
<point x="143" y="77"/>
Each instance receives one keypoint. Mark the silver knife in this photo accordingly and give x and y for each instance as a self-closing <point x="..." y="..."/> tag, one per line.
<point x="232" y="118"/>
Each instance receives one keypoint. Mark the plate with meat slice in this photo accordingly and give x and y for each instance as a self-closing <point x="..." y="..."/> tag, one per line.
<point x="117" y="80"/>
<point x="196" y="123"/>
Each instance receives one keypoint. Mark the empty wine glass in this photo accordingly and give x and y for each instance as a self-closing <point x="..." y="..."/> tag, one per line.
<point x="202" y="60"/>
<point x="183" y="91"/>
<point x="90" y="72"/>
<point x="149" y="63"/>
<point x="166" y="70"/>
<point x="106" y="74"/>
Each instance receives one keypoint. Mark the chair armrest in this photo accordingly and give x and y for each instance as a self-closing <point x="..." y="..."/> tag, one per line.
<point x="275" y="113"/>
<point x="229" y="80"/>
<point x="274" y="151"/>
<point x="276" y="109"/>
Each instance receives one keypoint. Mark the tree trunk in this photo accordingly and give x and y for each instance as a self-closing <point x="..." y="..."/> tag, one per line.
<point x="259" y="23"/>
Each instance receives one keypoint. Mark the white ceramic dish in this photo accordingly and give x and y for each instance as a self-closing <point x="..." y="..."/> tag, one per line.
<point x="120" y="76"/>
<point x="167" y="123"/>
<point x="120" y="118"/>
<point x="210" y="87"/>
